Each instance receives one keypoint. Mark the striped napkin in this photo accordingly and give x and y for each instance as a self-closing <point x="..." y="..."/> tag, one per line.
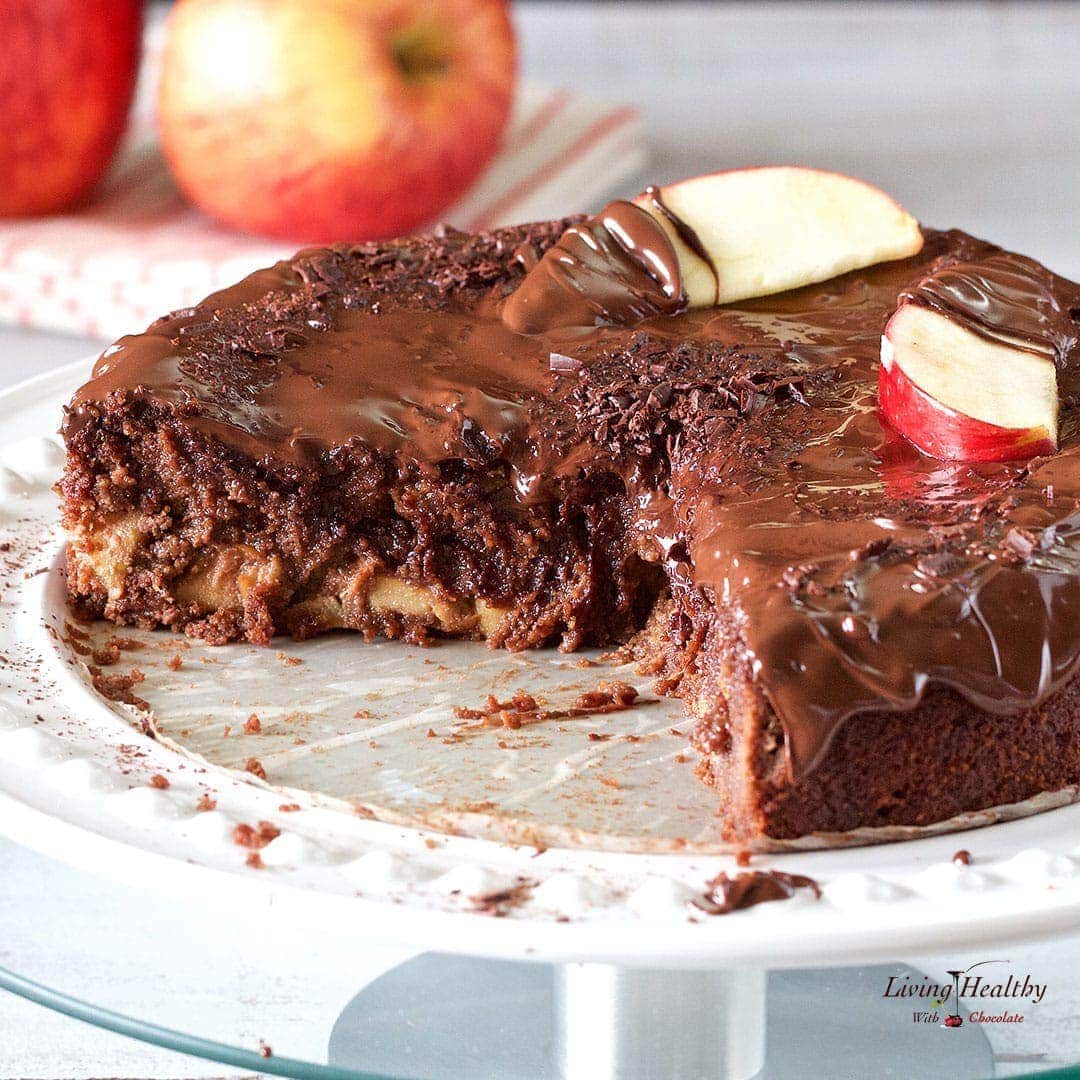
<point x="139" y="249"/>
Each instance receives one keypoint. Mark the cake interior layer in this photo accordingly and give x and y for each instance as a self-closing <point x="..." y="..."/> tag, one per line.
<point x="170" y="529"/>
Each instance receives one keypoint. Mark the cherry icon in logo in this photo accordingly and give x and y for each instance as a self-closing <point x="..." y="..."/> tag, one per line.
<point x="955" y="1021"/>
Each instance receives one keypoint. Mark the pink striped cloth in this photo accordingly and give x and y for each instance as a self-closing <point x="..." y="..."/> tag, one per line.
<point x="139" y="249"/>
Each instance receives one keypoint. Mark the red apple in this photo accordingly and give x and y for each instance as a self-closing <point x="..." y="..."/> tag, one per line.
<point x="323" y="120"/>
<point x="959" y="396"/>
<point x="765" y="230"/>
<point x="66" y="80"/>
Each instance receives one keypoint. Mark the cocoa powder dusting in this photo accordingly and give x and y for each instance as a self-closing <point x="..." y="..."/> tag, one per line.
<point x="502" y="901"/>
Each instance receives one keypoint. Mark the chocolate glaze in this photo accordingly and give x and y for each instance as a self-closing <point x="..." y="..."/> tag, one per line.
<point x="864" y="572"/>
<point x="850" y="572"/>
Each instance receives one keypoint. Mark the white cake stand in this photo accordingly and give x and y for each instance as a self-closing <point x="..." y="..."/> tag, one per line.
<point x="80" y="783"/>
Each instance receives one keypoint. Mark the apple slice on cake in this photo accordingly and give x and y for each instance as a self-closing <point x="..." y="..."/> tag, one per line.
<point x="958" y="395"/>
<point x="754" y="232"/>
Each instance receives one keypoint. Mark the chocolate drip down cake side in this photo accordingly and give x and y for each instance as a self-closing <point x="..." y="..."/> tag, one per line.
<point x="820" y="466"/>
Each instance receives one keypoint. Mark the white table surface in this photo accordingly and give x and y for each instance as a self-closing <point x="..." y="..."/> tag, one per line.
<point x="968" y="112"/>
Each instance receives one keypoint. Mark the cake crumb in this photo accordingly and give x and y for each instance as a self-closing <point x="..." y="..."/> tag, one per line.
<point x="523" y="708"/>
<point x="207" y="802"/>
<point x="289" y="807"/>
<point x="962" y="857"/>
<point x="175" y="662"/>
<point x="253" y="725"/>
<point x="255" y="861"/>
<point x="254" y="766"/>
<point x="118" y="687"/>
<point x="255" y="839"/>
<point x="608" y="697"/>
<point x="513" y="713"/>
<point x="106" y="655"/>
<point x="160" y="782"/>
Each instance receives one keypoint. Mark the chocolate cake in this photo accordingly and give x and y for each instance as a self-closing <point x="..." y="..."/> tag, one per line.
<point x="525" y="436"/>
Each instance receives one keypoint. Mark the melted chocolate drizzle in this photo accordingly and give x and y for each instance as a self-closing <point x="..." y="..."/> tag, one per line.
<point x="725" y="894"/>
<point x="851" y="573"/>
<point x="683" y="231"/>
<point x="1011" y="300"/>
<point x="618" y="268"/>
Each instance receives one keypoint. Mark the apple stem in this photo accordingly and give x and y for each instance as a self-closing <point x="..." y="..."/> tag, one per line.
<point x="417" y="53"/>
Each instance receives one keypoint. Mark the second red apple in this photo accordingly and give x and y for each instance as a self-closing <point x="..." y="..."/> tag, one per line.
<point x="326" y="120"/>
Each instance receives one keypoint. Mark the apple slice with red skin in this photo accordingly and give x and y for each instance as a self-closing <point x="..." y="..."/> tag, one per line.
<point x="765" y="230"/>
<point x="959" y="396"/>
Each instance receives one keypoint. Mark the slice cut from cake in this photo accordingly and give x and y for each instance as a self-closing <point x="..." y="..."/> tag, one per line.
<point x="550" y="434"/>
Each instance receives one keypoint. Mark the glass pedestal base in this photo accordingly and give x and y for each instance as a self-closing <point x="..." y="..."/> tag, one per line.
<point x="457" y="1018"/>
